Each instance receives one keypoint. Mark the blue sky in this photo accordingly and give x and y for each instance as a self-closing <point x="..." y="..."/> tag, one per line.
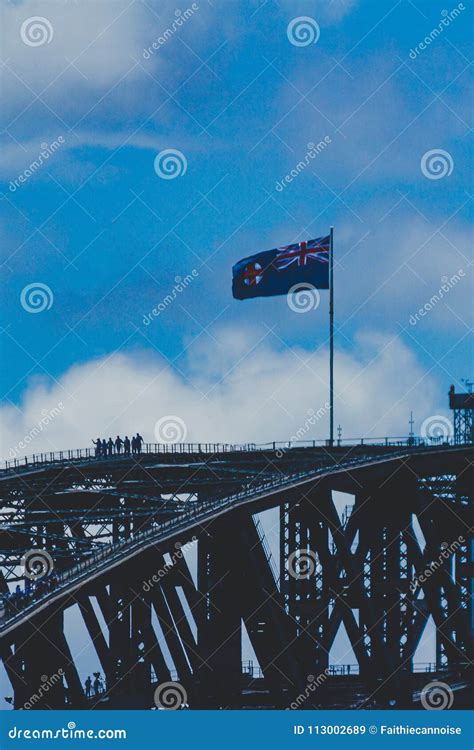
<point x="109" y="236"/>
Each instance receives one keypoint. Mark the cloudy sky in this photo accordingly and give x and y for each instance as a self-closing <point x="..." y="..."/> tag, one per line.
<point x="97" y="234"/>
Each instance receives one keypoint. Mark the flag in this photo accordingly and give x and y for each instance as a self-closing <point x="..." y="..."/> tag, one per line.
<point x="276" y="271"/>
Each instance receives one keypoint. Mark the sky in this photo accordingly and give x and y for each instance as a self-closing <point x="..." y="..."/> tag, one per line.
<point x="239" y="90"/>
<point x="147" y="147"/>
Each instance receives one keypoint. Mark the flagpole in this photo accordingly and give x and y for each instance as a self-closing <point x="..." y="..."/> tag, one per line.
<point x="331" y="337"/>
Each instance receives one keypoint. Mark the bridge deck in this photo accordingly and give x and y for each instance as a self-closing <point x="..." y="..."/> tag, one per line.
<point x="193" y="450"/>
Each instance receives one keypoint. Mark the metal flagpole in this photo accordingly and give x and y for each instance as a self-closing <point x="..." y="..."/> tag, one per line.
<point x="331" y="336"/>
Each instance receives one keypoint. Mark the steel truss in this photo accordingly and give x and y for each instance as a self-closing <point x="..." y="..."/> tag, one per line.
<point x="150" y="620"/>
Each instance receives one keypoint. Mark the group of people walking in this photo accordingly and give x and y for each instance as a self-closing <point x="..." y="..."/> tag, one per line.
<point x="13" y="601"/>
<point x="111" y="447"/>
<point x="95" y="687"/>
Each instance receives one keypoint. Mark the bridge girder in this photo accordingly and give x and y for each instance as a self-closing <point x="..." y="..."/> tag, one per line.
<point x="363" y="569"/>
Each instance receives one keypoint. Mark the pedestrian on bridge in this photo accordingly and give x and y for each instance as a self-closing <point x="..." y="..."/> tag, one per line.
<point x="138" y="443"/>
<point x="96" y="683"/>
<point x="110" y="446"/>
<point x="134" y="445"/>
<point x="98" y="447"/>
<point x="104" y="447"/>
<point x="88" y="685"/>
<point x="126" y="445"/>
<point x="118" y="444"/>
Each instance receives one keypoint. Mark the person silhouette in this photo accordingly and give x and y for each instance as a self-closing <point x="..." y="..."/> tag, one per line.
<point x="110" y="446"/>
<point x="138" y="442"/>
<point x="126" y="446"/>
<point x="104" y="447"/>
<point x="88" y="685"/>
<point x="134" y="445"/>
<point x="98" y="447"/>
<point x="96" y="683"/>
<point x="118" y="444"/>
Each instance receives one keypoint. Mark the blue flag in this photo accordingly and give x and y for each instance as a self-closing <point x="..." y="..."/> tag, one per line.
<point x="276" y="271"/>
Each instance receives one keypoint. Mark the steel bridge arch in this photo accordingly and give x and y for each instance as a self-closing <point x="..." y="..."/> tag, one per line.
<point x="291" y="622"/>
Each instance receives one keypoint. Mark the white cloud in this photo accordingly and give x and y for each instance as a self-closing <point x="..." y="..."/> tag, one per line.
<point x="382" y="121"/>
<point x="408" y="267"/>
<point x="88" y="82"/>
<point x="92" y="51"/>
<point x="238" y="388"/>
<point x="16" y="159"/>
<point x="96" y="37"/>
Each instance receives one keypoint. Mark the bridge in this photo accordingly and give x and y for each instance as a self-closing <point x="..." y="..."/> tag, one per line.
<point x="164" y="559"/>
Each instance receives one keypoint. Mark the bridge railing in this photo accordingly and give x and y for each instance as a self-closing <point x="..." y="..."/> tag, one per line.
<point x="425" y="666"/>
<point x="113" y="552"/>
<point x="159" y="449"/>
